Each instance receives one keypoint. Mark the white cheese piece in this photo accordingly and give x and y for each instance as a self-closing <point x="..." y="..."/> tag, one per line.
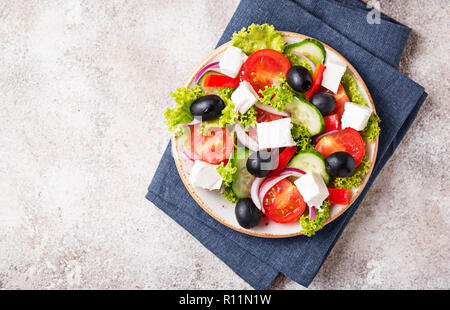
<point x="231" y="61"/>
<point x="355" y="116"/>
<point x="244" y="97"/>
<point x="313" y="189"/>
<point x="332" y="76"/>
<point x="205" y="175"/>
<point x="275" y="134"/>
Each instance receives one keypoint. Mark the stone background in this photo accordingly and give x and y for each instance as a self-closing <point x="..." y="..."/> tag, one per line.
<point x="83" y="88"/>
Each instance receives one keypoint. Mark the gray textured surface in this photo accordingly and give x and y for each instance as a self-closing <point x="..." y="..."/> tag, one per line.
<point x="83" y="90"/>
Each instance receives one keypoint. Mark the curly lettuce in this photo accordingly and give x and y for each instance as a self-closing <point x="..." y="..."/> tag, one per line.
<point x="356" y="178"/>
<point x="227" y="172"/>
<point x="181" y="114"/>
<point x="278" y="95"/>
<point x="257" y="37"/>
<point x="248" y="118"/>
<point x="302" y="137"/>
<point x="309" y="228"/>
<point x="372" y="130"/>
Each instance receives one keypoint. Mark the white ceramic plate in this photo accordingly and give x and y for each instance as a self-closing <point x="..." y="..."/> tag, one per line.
<point x="223" y="210"/>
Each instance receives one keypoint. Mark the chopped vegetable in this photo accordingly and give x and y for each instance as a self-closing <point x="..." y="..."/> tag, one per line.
<point x="277" y="96"/>
<point x="283" y="159"/>
<point x="297" y="60"/>
<point x="356" y="179"/>
<point x="338" y="195"/>
<point x="372" y="130"/>
<point x="258" y="37"/>
<point x="227" y="172"/>
<point x="302" y="137"/>
<point x="248" y="118"/>
<point x="317" y="81"/>
<point x="309" y="227"/>
<point x="220" y="80"/>
<point x="331" y="122"/>
<point x="180" y="115"/>
<point x="351" y="88"/>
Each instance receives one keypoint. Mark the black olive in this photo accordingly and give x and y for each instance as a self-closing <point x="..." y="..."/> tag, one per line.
<point x="299" y="78"/>
<point x="207" y="108"/>
<point x="325" y="102"/>
<point x="261" y="163"/>
<point x="340" y="164"/>
<point x="247" y="214"/>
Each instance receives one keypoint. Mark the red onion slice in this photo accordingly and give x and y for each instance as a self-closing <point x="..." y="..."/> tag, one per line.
<point x="317" y="138"/>
<point x="309" y="61"/>
<point x="254" y="193"/>
<point x="294" y="172"/>
<point x="312" y="213"/>
<point x="210" y="67"/>
<point x="244" y="138"/>
<point x="188" y="154"/>
<point x="269" y="109"/>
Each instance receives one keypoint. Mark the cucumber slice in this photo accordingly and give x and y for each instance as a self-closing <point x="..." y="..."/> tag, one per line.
<point x="304" y="112"/>
<point x="209" y="90"/>
<point x="311" y="48"/>
<point x="310" y="161"/>
<point x="243" y="179"/>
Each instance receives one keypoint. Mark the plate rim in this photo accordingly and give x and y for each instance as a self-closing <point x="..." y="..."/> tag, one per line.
<point x="203" y="205"/>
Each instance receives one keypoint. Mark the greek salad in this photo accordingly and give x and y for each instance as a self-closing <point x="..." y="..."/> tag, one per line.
<point x="278" y="129"/>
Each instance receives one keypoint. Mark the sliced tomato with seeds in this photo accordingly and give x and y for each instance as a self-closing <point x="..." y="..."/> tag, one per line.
<point x="263" y="68"/>
<point x="215" y="147"/>
<point x="346" y="140"/>
<point x="283" y="203"/>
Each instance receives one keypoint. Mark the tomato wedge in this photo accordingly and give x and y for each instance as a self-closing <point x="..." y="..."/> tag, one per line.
<point x="215" y="147"/>
<point x="219" y="80"/>
<point x="340" y="196"/>
<point x="283" y="159"/>
<point x="263" y="68"/>
<point x="283" y="203"/>
<point x="346" y="140"/>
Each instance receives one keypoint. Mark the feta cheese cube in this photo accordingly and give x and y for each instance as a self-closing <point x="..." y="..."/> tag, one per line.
<point x="355" y="116"/>
<point x="205" y="175"/>
<point x="275" y="134"/>
<point x="313" y="189"/>
<point x="231" y="61"/>
<point x="332" y="76"/>
<point x="244" y="97"/>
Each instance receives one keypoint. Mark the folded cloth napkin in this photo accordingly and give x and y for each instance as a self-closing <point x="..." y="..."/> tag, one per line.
<point x="375" y="51"/>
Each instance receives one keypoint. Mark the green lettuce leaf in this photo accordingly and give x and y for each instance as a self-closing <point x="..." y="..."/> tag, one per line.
<point x="277" y="96"/>
<point x="227" y="172"/>
<point x="356" y="178"/>
<point x="258" y="37"/>
<point x="248" y="118"/>
<point x="309" y="228"/>
<point x="180" y="114"/>
<point x="372" y="130"/>
<point x="302" y="137"/>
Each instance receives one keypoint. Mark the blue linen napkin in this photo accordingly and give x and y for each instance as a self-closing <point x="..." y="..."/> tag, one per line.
<point x="374" y="50"/>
